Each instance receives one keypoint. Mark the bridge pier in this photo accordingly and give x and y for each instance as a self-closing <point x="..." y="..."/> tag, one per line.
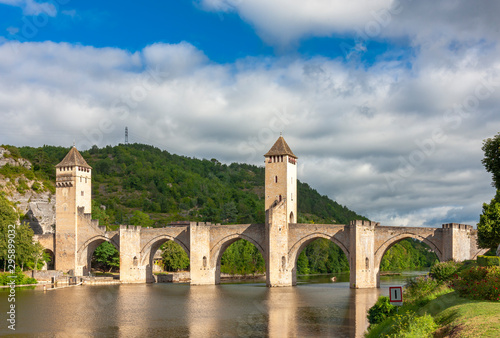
<point x="362" y="254"/>
<point x="202" y="265"/>
<point x="278" y="267"/>
<point x="131" y="270"/>
<point x="457" y="242"/>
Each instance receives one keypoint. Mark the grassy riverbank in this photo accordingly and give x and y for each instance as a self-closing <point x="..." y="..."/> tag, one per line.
<point x="455" y="316"/>
<point x="457" y="301"/>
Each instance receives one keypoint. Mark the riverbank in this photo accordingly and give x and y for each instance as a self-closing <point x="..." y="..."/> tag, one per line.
<point x="454" y="300"/>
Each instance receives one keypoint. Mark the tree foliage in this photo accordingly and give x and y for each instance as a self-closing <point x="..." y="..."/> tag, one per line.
<point x="106" y="257"/>
<point x="242" y="258"/>
<point x="491" y="160"/>
<point x="406" y="255"/>
<point x="488" y="228"/>
<point x="174" y="257"/>
<point x="27" y="254"/>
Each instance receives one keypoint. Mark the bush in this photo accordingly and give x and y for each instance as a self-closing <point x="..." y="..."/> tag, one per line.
<point x="478" y="282"/>
<point x="20" y="279"/>
<point x="444" y="270"/>
<point x="410" y="325"/>
<point x="381" y="310"/>
<point x="488" y="260"/>
<point x="417" y="288"/>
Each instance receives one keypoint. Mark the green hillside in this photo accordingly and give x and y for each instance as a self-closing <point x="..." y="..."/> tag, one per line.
<point x="168" y="187"/>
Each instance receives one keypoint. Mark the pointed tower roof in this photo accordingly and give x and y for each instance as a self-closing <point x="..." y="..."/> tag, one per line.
<point x="280" y="148"/>
<point x="73" y="158"/>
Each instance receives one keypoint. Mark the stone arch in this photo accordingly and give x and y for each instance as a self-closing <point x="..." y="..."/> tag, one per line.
<point x="299" y="246"/>
<point x="380" y="251"/>
<point x="154" y="244"/>
<point x="218" y="249"/>
<point x="86" y="250"/>
<point x="50" y="265"/>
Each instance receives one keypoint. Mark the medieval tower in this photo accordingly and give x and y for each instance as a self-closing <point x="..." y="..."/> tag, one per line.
<point x="281" y="178"/>
<point x="73" y="195"/>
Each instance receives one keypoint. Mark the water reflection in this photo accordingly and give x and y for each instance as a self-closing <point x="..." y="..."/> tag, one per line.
<point x="180" y="310"/>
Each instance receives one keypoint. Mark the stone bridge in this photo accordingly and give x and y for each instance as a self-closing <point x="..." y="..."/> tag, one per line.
<point x="280" y="239"/>
<point x="364" y="243"/>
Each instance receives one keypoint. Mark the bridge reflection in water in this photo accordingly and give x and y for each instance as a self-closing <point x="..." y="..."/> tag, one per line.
<point x="180" y="310"/>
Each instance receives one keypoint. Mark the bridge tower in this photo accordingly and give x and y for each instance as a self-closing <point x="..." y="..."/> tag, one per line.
<point x="73" y="196"/>
<point x="281" y="210"/>
<point x="281" y="178"/>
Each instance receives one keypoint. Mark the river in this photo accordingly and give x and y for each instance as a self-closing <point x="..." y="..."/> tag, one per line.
<point x="315" y="307"/>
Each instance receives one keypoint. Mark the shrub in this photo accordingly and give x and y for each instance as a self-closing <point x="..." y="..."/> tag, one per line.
<point x="478" y="282"/>
<point x="36" y="187"/>
<point x="417" y="288"/>
<point x="381" y="310"/>
<point x="410" y="325"/>
<point x="444" y="270"/>
<point x="488" y="260"/>
<point x="20" y="278"/>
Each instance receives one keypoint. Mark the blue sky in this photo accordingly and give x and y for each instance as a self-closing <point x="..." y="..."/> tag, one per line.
<point x="386" y="102"/>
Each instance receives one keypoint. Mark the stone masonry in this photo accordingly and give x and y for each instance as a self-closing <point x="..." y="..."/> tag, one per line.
<point x="280" y="239"/>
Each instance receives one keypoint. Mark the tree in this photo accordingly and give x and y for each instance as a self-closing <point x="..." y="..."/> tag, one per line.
<point x="27" y="253"/>
<point x="174" y="257"/>
<point x="107" y="256"/>
<point x="141" y="218"/>
<point x="491" y="160"/>
<point x="488" y="228"/>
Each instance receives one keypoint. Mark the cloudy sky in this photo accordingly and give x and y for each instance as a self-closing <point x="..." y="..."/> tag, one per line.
<point x="385" y="103"/>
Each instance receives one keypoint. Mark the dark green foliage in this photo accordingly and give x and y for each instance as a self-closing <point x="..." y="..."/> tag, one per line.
<point x="488" y="228"/>
<point x="106" y="257"/>
<point x="381" y="310"/>
<point x="444" y="270"/>
<point x="322" y="256"/>
<point x="174" y="257"/>
<point x="20" y="278"/>
<point x="242" y="258"/>
<point x="27" y="253"/>
<point x="488" y="260"/>
<point x="491" y="160"/>
<point x="406" y="255"/>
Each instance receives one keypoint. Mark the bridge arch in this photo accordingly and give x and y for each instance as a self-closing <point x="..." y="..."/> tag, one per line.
<point x="382" y="249"/>
<point x="299" y="246"/>
<point x="218" y="249"/>
<point x="147" y="252"/>
<point x="149" y="249"/>
<point x="86" y="250"/>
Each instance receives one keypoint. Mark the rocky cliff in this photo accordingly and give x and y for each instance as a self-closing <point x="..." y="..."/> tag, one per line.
<point x="28" y="193"/>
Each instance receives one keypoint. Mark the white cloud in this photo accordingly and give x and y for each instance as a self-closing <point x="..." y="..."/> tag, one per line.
<point x="354" y="129"/>
<point x="32" y="7"/>
<point x="281" y="22"/>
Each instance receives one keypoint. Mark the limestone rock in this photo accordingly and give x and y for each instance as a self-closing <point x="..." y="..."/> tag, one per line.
<point x="39" y="207"/>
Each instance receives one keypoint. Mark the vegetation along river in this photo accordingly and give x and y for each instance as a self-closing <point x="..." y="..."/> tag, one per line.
<point x="315" y="307"/>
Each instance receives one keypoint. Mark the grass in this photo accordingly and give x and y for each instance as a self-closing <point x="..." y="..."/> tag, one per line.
<point x="461" y="317"/>
<point x="456" y="316"/>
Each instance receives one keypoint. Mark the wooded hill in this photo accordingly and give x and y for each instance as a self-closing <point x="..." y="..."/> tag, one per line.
<point x="168" y="187"/>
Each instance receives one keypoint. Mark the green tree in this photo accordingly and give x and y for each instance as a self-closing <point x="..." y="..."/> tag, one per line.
<point x="27" y="253"/>
<point x="174" y="257"/>
<point x="140" y="218"/>
<point x="106" y="256"/>
<point x="491" y="160"/>
<point x="488" y="228"/>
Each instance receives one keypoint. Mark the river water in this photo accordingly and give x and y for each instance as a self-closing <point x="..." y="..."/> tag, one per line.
<point x="316" y="307"/>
